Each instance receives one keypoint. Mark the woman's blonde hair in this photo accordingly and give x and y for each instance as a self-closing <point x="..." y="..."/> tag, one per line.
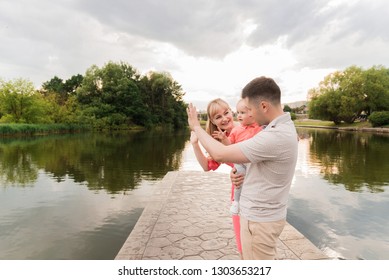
<point x="212" y="108"/>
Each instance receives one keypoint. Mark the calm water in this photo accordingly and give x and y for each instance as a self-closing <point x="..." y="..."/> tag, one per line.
<point x="79" y="196"/>
<point x="340" y="193"/>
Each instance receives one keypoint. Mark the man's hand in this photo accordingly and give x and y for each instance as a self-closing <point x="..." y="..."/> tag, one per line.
<point x="236" y="179"/>
<point x="192" y="116"/>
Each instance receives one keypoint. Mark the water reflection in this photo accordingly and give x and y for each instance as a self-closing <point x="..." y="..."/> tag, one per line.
<point x="340" y="193"/>
<point x="114" y="162"/>
<point x="358" y="161"/>
<point x="79" y="196"/>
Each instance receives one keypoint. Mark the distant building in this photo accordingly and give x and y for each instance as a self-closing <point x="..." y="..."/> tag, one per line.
<point x="298" y="107"/>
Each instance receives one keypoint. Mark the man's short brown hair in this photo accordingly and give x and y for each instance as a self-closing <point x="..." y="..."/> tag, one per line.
<point x="262" y="88"/>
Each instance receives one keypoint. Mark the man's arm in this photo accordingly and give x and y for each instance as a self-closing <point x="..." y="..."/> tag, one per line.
<point x="217" y="150"/>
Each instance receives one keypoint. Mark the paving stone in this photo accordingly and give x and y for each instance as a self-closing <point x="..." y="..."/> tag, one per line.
<point x="134" y="248"/>
<point x="193" y="257"/>
<point x="160" y="233"/>
<point x="161" y="226"/>
<point x="213" y="228"/>
<point x="230" y="257"/>
<point x="194" y="220"/>
<point x="211" y="255"/>
<point x="159" y="242"/>
<point x="193" y="231"/>
<point x="214" y="244"/>
<point x="188" y="218"/>
<point x="171" y="253"/>
<point x="209" y="236"/>
<point x="226" y="233"/>
<point x="174" y="237"/>
<point x="230" y="251"/>
<point x="176" y="229"/>
<point x="189" y="242"/>
<point x="152" y="251"/>
<point x="193" y="251"/>
<point x="128" y="257"/>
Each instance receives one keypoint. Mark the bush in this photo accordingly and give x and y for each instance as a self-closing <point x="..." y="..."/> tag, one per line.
<point x="379" y="118"/>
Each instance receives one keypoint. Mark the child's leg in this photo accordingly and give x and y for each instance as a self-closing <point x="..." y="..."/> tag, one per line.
<point x="234" y="209"/>
<point x="237" y="193"/>
<point x="236" y="225"/>
<point x="240" y="169"/>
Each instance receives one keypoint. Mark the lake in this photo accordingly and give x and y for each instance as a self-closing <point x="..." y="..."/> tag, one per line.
<point x="78" y="196"/>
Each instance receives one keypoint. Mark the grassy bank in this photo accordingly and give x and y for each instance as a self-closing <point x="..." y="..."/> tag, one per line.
<point x="356" y="126"/>
<point x="308" y="122"/>
<point x="38" y="129"/>
<point x="319" y="123"/>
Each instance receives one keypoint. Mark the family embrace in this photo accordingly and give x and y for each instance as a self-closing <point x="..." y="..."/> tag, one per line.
<point x="262" y="151"/>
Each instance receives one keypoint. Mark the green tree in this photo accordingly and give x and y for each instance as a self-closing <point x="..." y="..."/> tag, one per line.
<point x="325" y="101"/>
<point x="343" y="95"/>
<point x="351" y="94"/>
<point x="117" y="96"/>
<point x="110" y="96"/>
<point x="56" y="88"/>
<point x="67" y="113"/>
<point x="376" y="89"/>
<point x="121" y="92"/>
<point x="73" y="83"/>
<point x="90" y="89"/>
<point x="164" y="98"/>
<point x="60" y="89"/>
<point x="21" y="103"/>
<point x="287" y="108"/>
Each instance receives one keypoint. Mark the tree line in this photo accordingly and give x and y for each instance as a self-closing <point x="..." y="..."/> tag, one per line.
<point x="351" y="94"/>
<point x="114" y="96"/>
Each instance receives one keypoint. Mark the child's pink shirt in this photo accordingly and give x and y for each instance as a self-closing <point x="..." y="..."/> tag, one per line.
<point x="243" y="132"/>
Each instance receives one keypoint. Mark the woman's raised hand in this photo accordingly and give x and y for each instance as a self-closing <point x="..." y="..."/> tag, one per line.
<point x="192" y="116"/>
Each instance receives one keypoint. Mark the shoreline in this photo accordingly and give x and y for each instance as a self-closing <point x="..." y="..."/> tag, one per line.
<point x="356" y="129"/>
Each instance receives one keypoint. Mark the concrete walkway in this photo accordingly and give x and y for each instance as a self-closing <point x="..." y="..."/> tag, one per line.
<point x="188" y="219"/>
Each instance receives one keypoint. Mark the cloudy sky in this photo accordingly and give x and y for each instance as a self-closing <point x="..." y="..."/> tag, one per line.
<point x="213" y="48"/>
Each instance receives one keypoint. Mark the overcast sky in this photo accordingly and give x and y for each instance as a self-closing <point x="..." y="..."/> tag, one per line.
<point x="213" y="48"/>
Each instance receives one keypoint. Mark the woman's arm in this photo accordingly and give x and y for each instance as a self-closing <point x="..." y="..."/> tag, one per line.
<point x="201" y="158"/>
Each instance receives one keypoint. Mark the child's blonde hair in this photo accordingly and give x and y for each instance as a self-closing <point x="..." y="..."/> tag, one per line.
<point x="211" y="111"/>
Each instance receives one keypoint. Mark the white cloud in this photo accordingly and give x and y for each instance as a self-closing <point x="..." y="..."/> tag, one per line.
<point x="211" y="47"/>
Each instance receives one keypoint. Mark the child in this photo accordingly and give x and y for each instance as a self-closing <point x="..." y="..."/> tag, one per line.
<point x="247" y="129"/>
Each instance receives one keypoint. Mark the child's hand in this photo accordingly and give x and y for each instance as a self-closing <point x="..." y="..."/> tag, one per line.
<point x="221" y="135"/>
<point x="193" y="138"/>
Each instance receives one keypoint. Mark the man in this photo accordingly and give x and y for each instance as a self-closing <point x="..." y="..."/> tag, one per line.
<point x="271" y="157"/>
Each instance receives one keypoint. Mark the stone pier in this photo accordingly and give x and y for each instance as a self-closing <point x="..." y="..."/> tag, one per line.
<point x="188" y="218"/>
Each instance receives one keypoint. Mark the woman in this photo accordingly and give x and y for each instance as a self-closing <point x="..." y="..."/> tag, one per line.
<point x="219" y="124"/>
